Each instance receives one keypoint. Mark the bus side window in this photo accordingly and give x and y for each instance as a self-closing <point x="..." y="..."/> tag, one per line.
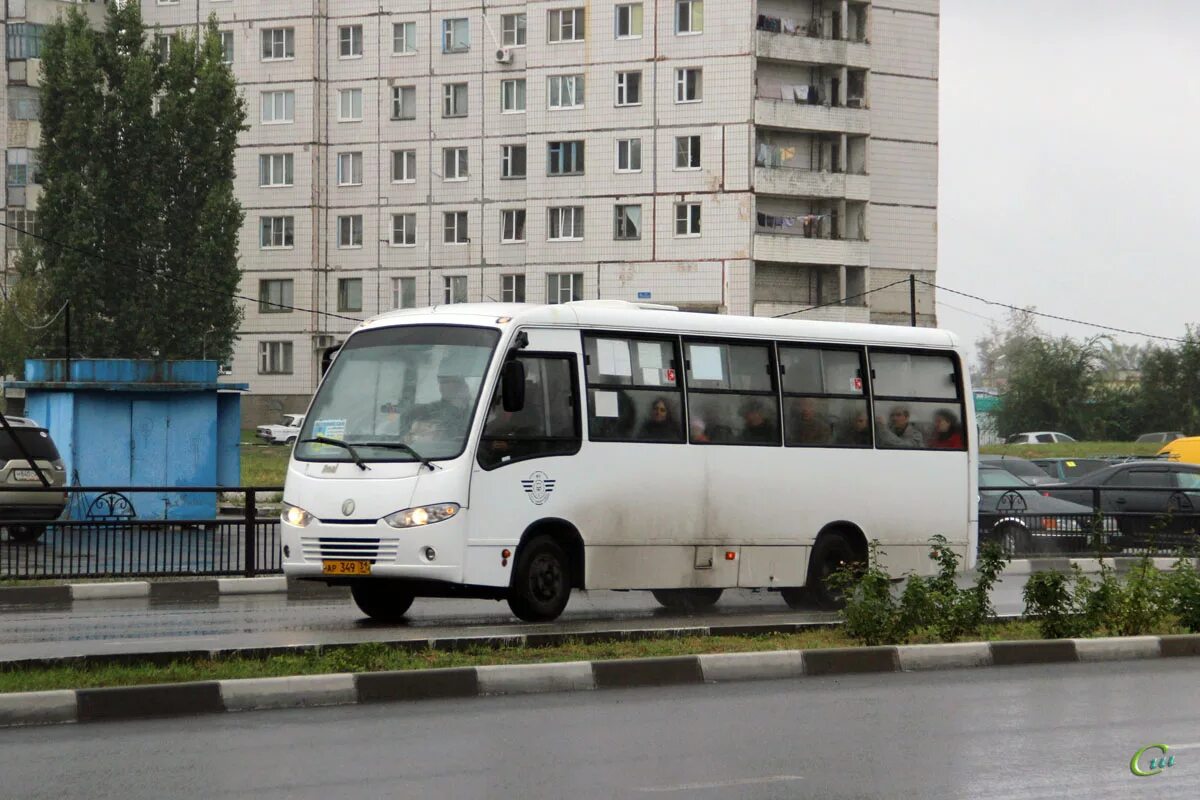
<point x="731" y="393"/>
<point x="917" y="401"/>
<point x="633" y="388"/>
<point x="546" y="426"/>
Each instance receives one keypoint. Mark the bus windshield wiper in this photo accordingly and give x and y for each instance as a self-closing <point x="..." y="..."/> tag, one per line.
<point x="403" y="447"/>
<point x="358" y="460"/>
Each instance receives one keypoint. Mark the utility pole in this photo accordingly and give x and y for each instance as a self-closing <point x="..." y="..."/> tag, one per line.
<point x="67" y="323"/>
<point x="912" y="299"/>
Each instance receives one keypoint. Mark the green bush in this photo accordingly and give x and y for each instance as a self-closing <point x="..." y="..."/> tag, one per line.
<point x="1183" y="586"/>
<point x="1059" y="602"/>
<point x="871" y="614"/>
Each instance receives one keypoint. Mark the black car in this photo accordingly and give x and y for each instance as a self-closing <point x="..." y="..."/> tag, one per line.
<point x="1070" y="469"/>
<point x="1157" y="500"/>
<point x="1025" y="521"/>
<point x="1024" y="469"/>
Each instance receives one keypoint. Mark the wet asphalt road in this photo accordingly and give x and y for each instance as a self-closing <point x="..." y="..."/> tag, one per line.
<point x="1066" y="730"/>
<point x="100" y="627"/>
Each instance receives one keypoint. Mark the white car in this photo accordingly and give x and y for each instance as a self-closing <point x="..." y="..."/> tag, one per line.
<point x="284" y="433"/>
<point x="1039" y="437"/>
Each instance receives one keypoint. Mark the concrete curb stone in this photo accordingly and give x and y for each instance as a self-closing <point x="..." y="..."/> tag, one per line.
<point x="568" y="676"/>
<point x="1035" y="651"/>
<point x="959" y="655"/>
<point x="851" y="660"/>
<point x="251" y="694"/>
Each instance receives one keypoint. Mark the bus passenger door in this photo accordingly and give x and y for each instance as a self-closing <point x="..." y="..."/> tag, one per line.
<point x="525" y="466"/>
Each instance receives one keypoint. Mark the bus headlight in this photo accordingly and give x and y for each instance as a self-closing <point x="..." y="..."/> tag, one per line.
<point x="421" y="515"/>
<point x="296" y="516"/>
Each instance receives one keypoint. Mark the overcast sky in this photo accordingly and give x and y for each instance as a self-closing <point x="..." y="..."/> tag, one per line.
<point x="1070" y="162"/>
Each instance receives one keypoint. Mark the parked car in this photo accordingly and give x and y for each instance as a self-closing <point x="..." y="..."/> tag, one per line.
<point x="283" y="433"/>
<point x="1161" y="436"/>
<point x="1151" y="497"/>
<point x="1186" y="450"/>
<point x="1038" y="437"/>
<point x="1025" y="521"/>
<point x="16" y="471"/>
<point x="1024" y="469"/>
<point x="1068" y="469"/>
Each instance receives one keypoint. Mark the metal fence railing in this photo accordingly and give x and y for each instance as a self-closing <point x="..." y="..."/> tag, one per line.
<point x="139" y="531"/>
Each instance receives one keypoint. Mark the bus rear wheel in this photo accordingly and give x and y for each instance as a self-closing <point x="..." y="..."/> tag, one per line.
<point x="831" y="552"/>
<point x="381" y="600"/>
<point x="541" y="582"/>
<point x="687" y="599"/>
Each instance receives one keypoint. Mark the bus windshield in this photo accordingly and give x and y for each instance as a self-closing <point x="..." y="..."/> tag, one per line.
<point x="395" y="391"/>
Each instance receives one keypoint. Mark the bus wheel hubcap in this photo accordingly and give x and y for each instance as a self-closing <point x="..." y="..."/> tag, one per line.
<point x="545" y="578"/>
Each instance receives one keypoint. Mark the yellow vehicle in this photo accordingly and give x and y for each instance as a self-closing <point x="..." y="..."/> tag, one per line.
<point x="1186" y="449"/>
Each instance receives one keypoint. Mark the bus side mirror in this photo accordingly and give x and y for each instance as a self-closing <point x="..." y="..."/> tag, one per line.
<point x="327" y="357"/>
<point x="512" y="385"/>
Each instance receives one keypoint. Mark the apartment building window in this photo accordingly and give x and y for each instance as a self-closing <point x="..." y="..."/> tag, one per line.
<point x="278" y="107"/>
<point x="404" y="292"/>
<point x="275" y="169"/>
<point x="454" y="100"/>
<point x="564" y="287"/>
<point x="21" y="167"/>
<point x="629" y="21"/>
<point x="687" y="219"/>
<point x="454" y="289"/>
<point x="24" y="103"/>
<point x="687" y="152"/>
<point x="454" y="227"/>
<point x="24" y="40"/>
<point x="564" y="158"/>
<point x="629" y="155"/>
<point x="454" y="164"/>
<point x="689" y="16"/>
<point x="565" y="91"/>
<point x="512" y="30"/>
<point x="278" y="43"/>
<point x="629" y="88"/>
<point x="404" y="102"/>
<point x="404" y="230"/>
<point x="274" y="358"/>
<point x="350" y="105"/>
<point x="512" y="161"/>
<point x="163" y="44"/>
<point x="456" y="35"/>
<point x="350" y="231"/>
<point x="512" y="288"/>
<point x="689" y="85"/>
<point x="226" y="46"/>
<point x="512" y="225"/>
<point x="404" y="166"/>
<point x="404" y="38"/>
<point x="350" y="294"/>
<point x="565" y="223"/>
<point x="350" y="169"/>
<point x="275" y="296"/>
<point x="512" y="96"/>
<point x="565" y="25"/>
<point x="23" y="224"/>
<point x="350" y="41"/>
<point x="277" y="232"/>
<point x="627" y="222"/>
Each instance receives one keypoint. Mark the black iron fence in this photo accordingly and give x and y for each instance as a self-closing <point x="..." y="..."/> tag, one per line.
<point x="138" y="531"/>
<point x="1087" y="520"/>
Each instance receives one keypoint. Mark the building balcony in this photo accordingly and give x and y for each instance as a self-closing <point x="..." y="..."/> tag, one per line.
<point x="802" y="116"/>
<point x="807" y="183"/>
<point x="810" y="50"/>
<point x="799" y="249"/>
<point x="825" y="314"/>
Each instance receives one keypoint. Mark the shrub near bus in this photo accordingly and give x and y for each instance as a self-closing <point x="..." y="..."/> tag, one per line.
<point x="518" y="452"/>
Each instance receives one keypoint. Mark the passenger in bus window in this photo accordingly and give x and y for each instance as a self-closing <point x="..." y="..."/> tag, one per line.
<point x="661" y="425"/>
<point x="947" y="433"/>
<point x="699" y="430"/>
<point x="857" y="431"/>
<point x="899" y="432"/>
<point x="757" y="429"/>
<point x="808" y="426"/>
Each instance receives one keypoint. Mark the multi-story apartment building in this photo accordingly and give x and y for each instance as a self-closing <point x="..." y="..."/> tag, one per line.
<point x="737" y="157"/>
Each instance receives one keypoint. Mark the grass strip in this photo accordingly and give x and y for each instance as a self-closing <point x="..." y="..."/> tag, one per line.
<point x="375" y="657"/>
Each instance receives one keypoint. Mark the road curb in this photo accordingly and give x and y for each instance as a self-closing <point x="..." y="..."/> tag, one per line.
<point x="186" y="699"/>
<point x="64" y="596"/>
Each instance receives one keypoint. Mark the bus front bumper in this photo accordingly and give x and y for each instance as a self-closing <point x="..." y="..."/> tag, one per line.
<point x="328" y="551"/>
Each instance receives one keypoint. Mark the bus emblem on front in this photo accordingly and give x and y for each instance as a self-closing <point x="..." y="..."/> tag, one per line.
<point x="538" y="486"/>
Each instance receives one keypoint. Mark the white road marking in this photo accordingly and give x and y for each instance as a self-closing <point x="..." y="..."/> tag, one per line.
<point x="1192" y="746"/>
<point x="686" y="787"/>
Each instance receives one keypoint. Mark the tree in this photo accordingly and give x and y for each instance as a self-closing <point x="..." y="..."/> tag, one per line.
<point x="1000" y="348"/>
<point x="1050" y="386"/>
<point x="138" y="208"/>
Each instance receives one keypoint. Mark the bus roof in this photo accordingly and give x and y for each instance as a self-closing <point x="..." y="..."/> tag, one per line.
<point x="625" y="316"/>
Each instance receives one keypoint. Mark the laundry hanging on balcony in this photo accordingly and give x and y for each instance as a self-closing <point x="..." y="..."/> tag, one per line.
<point x="809" y="224"/>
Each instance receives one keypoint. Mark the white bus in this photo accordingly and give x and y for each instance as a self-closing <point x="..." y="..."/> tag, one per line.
<point x="518" y="452"/>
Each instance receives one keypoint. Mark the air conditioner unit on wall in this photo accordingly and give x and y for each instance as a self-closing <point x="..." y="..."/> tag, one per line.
<point x="322" y="341"/>
<point x="504" y="55"/>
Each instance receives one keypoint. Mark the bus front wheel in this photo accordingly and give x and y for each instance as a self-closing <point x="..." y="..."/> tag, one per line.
<point x="541" y="583"/>
<point x="381" y="600"/>
<point x="687" y="599"/>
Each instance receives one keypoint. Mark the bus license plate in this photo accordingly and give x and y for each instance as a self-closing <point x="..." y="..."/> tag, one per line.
<point x="24" y="475"/>
<point x="346" y="567"/>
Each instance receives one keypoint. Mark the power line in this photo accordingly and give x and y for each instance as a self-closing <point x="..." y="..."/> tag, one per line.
<point x="173" y="278"/>
<point x="1054" y="316"/>
<point x="13" y="306"/>
<point x="844" y="300"/>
